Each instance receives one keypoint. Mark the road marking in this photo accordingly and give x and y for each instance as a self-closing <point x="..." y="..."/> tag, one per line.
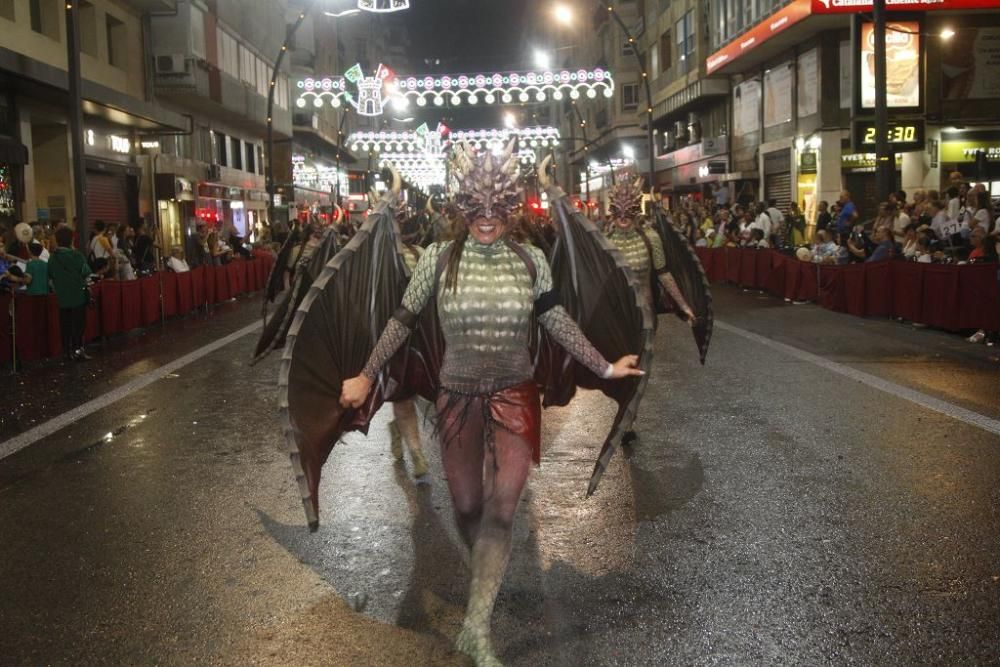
<point x="19" y="442"/>
<point x="897" y="390"/>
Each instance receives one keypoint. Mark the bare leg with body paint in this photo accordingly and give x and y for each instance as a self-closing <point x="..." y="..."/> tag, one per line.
<point x="405" y="429"/>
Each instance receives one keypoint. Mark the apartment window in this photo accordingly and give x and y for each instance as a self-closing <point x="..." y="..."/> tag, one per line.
<point x="117" y="41"/>
<point x="248" y="70"/>
<point x="281" y="93"/>
<point x="684" y="29"/>
<point x="236" y="151"/>
<point x="197" y="31"/>
<point x="251" y="158"/>
<point x="665" y="50"/>
<point x="88" y="28"/>
<point x="220" y="148"/>
<point x="45" y="16"/>
<point x="630" y="96"/>
<point x="263" y="77"/>
<point x="7" y="9"/>
<point x="229" y="55"/>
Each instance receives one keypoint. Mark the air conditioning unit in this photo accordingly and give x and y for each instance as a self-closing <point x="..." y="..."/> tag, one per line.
<point x="174" y="63"/>
<point x="680" y="131"/>
<point x="214" y="172"/>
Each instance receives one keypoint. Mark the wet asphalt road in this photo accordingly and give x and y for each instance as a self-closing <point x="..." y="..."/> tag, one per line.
<point x="774" y="513"/>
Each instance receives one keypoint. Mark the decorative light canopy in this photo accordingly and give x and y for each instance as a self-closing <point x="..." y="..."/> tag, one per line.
<point x="373" y="93"/>
<point x="421" y="155"/>
<point x="317" y="177"/>
<point x="383" y="6"/>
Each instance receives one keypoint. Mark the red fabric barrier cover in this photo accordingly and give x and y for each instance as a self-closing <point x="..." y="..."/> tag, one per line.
<point x="940" y="304"/>
<point x="979" y="297"/>
<point x="31" y="314"/>
<point x="775" y="283"/>
<point x="732" y="256"/>
<point x="748" y="268"/>
<point x="878" y="289"/>
<point x="793" y="276"/>
<point x="210" y="295"/>
<point x="908" y="290"/>
<point x="131" y="305"/>
<point x="764" y="268"/>
<point x="854" y="289"/>
<point x="237" y="277"/>
<point x="150" y="289"/>
<point x="198" y="296"/>
<point x="111" y="307"/>
<point x="831" y="288"/>
<point x="185" y="298"/>
<point x="222" y="286"/>
<point x="808" y="282"/>
<point x="169" y="293"/>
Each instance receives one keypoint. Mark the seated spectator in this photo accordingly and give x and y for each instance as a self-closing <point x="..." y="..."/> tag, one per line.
<point x="910" y="236"/>
<point x="699" y="238"/>
<point x="924" y="254"/>
<point x="18" y="247"/>
<point x="757" y="239"/>
<point x="37" y="271"/>
<point x="884" y="246"/>
<point x="218" y="252"/>
<point x="176" y="261"/>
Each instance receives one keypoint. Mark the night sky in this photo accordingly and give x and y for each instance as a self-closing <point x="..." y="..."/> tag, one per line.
<point x="467" y="36"/>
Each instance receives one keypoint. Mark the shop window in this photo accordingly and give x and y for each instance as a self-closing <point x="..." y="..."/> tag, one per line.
<point x="237" y="152"/>
<point x="630" y="96"/>
<point x="88" y="28"/>
<point x="45" y="17"/>
<point x="117" y="41"/>
<point x="251" y="158"/>
<point x="7" y="9"/>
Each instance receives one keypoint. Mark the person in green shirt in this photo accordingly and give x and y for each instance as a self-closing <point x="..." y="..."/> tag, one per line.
<point x="69" y="270"/>
<point x="38" y="272"/>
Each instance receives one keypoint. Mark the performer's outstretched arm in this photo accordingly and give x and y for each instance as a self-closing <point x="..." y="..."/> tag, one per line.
<point x="666" y="279"/>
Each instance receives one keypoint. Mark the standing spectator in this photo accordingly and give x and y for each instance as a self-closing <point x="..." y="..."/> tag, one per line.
<point x="720" y="194"/>
<point x="823" y="217"/>
<point x="37" y="270"/>
<point x="796" y="223"/>
<point x="901" y="220"/>
<point x="144" y="250"/>
<point x="954" y="204"/>
<point x="68" y="270"/>
<point x="101" y="250"/>
<point x="762" y="221"/>
<point x="980" y="215"/>
<point x="18" y="247"/>
<point x="848" y="214"/>
<point x="777" y="217"/>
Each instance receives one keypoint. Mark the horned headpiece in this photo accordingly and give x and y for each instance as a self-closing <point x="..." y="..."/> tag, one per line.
<point x="626" y="199"/>
<point x="487" y="183"/>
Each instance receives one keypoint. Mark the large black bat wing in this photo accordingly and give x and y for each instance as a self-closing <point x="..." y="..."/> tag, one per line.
<point x="686" y="268"/>
<point x="285" y="260"/>
<point x="272" y="336"/>
<point x="331" y="336"/>
<point x="600" y="292"/>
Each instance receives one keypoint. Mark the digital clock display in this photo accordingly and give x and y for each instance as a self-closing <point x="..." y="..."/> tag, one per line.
<point x="902" y="136"/>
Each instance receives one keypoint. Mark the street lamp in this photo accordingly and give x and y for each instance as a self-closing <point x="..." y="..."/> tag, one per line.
<point x="509" y="121"/>
<point x="542" y="59"/>
<point x="563" y="14"/>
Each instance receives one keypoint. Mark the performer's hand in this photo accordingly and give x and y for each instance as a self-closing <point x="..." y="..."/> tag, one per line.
<point x="690" y="316"/>
<point x="625" y="367"/>
<point x="355" y="391"/>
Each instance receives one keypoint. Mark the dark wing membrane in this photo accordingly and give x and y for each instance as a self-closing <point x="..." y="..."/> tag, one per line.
<point x="600" y="292"/>
<point x="686" y="268"/>
<point x="272" y="336"/>
<point x="284" y="261"/>
<point x="331" y="336"/>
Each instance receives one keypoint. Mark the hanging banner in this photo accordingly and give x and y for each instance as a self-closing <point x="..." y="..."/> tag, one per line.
<point x="746" y="107"/>
<point x="808" y="83"/>
<point x="778" y="95"/>
<point x="970" y="65"/>
<point x="902" y="44"/>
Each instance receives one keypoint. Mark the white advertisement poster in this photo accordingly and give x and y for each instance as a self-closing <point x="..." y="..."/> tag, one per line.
<point x="902" y="55"/>
<point x="746" y="107"/>
<point x="970" y="65"/>
<point x="778" y="95"/>
<point x="846" y="79"/>
<point x="808" y="83"/>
